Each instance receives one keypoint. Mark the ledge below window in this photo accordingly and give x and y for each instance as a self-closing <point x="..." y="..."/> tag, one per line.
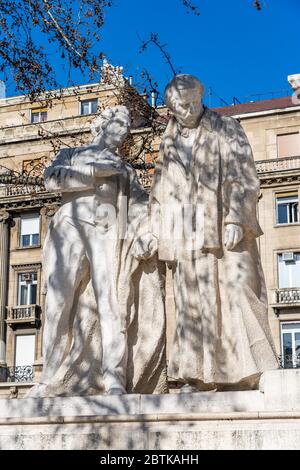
<point x="23" y="314"/>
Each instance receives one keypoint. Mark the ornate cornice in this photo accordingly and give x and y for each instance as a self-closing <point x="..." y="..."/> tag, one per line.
<point x="26" y="267"/>
<point x="278" y="179"/>
<point x="49" y="210"/>
<point x="276" y="171"/>
<point x="19" y="203"/>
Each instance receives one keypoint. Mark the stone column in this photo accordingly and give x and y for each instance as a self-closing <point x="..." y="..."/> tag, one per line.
<point x="4" y="247"/>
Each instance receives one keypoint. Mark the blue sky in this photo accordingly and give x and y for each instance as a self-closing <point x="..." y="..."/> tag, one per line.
<point x="231" y="47"/>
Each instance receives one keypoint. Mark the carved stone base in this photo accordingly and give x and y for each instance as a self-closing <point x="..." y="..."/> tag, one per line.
<point x="268" y="418"/>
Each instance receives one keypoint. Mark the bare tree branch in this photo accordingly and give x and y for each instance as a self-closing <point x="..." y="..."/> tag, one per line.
<point x="59" y="29"/>
<point x="191" y="7"/>
<point x="154" y="39"/>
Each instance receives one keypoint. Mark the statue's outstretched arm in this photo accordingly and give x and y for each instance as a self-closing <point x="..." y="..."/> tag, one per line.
<point x="62" y="176"/>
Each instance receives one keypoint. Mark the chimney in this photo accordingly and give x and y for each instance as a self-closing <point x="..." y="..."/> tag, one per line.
<point x="153" y="99"/>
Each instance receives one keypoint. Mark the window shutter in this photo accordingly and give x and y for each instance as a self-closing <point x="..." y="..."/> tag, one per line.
<point x="30" y="224"/>
<point x="25" y="350"/>
<point x="288" y="145"/>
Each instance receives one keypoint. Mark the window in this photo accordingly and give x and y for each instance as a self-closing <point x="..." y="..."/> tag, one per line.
<point x="290" y="344"/>
<point x="38" y="115"/>
<point x="88" y="106"/>
<point x="288" y="145"/>
<point x="27" y="288"/>
<point x="287" y="206"/>
<point x="288" y="270"/>
<point x="30" y="230"/>
<point x="25" y="350"/>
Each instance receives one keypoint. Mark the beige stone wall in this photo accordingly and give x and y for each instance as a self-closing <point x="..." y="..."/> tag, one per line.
<point x="262" y="132"/>
<point x="16" y="111"/>
<point x="276" y="239"/>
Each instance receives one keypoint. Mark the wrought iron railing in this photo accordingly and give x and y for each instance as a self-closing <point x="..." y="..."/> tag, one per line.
<point x="288" y="296"/>
<point x="289" y="361"/>
<point x="20" y="374"/>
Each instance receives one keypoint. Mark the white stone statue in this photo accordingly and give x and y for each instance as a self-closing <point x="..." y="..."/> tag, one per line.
<point x="204" y="198"/>
<point x="104" y="326"/>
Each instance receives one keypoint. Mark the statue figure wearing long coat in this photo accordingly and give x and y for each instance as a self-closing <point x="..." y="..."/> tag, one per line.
<point x="204" y="199"/>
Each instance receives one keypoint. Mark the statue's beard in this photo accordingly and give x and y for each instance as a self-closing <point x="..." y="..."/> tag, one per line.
<point x="190" y="121"/>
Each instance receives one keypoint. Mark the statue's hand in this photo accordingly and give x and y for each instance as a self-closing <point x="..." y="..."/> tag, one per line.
<point x="145" y="246"/>
<point x="107" y="168"/>
<point x="232" y="236"/>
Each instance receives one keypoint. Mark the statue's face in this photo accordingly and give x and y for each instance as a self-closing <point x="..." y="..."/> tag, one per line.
<point x="116" y="130"/>
<point x="186" y="105"/>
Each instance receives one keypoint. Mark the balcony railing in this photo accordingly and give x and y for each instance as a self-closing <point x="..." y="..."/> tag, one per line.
<point x="289" y="361"/>
<point x="288" y="296"/>
<point x="20" y="374"/>
<point x="23" y="314"/>
<point x="17" y="190"/>
<point x="277" y="164"/>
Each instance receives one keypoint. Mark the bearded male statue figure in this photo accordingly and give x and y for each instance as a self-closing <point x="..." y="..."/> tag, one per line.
<point x="204" y="197"/>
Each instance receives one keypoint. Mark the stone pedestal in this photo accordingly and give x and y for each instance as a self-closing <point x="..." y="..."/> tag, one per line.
<point x="268" y="418"/>
<point x="37" y="369"/>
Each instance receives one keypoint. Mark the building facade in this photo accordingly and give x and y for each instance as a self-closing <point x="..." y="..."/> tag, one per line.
<point x="31" y="134"/>
<point x="273" y="129"/>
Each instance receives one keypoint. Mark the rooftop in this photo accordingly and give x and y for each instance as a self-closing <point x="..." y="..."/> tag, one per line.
<point x="258" y="106"/>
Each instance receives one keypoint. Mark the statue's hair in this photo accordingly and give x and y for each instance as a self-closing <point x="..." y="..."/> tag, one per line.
<point x="101" y="121"/>
<point x="182" y="82"/>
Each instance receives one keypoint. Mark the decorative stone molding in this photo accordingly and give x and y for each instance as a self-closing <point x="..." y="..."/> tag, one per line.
<point x="49" y="210"/>
<point x="21" y="203"/>
<point x="278" y="171"/>
<point x="17" y="190"/>
<point x="27" y="267"/>
<point x="277" y="164"/>
<point x="24" y="314"/>
<point x="275" y="180"/>
<point x="111" y="75"/>
<point x="5" y="216"/>
<point x="288" y="296"/>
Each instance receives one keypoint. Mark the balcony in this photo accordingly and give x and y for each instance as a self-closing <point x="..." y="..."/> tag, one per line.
<point x="288" y="296"/>
<point x="18" y="190"/>
<point x="20" y="374"/>
<point x="289" y="361"/>
<point x="29" y="314"/>
<point x="277" y="165"/>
